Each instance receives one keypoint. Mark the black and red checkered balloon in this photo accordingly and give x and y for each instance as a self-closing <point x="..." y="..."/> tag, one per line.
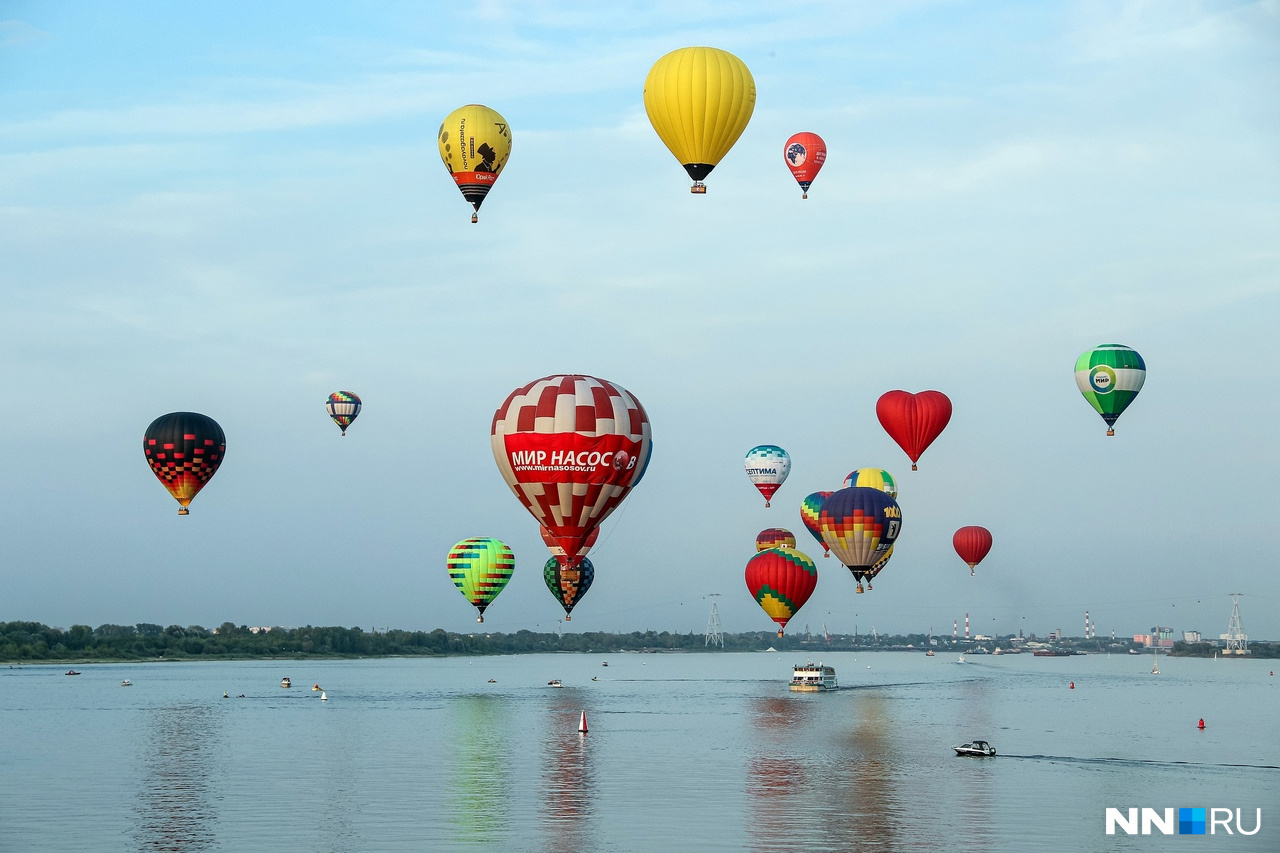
<point x="184" y="450"/>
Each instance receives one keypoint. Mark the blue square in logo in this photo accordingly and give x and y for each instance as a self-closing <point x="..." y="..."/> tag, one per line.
<point x="1191" y="821"/>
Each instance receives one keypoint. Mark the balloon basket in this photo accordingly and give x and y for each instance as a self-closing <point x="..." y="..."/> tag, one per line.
<point x="779" y="633"/>
<point x="1111" y="432"/>
<point x="698" y="188"/>
<point x="474" y="218"/>
<point x="913" y="467"/>
<point x="804" y="195"/>
<point x="480" y="618"/>
<point x="184" y="511"/>
<point x="859" y="589"/>
<point x="568" y="618"/>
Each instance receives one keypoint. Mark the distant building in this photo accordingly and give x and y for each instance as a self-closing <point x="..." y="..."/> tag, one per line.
<point x="1191" y="637"/>
<point x="261" y="629"/>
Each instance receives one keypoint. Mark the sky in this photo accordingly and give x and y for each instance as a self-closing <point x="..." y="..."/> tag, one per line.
<point x="237" y="208"/>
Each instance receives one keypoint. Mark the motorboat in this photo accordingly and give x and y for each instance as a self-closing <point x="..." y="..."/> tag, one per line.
<point x="72" y="672"/>
<point x="285" y="682"/>
<point x="605" y="663"/>
<point x="929" y="653"/>
<point x="555" y="682"/>
<point x="126" y="683"/>
<point x="813" y="678"/>
<point x="959" y="659"/>
<point x="315" y="688"/>
<point x="977" y="747"/>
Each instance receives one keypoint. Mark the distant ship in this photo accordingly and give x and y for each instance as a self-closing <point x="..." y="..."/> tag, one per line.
<point x="813" y="678"/>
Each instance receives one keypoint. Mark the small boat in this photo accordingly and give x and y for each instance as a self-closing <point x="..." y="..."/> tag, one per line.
<point x="604" y="663"/>
<point x="977" y="747"/>
<point x="1155" y="664"/>
<point x="813" y="678"/>
<point x="126" y="683"/>
<point x="72" y="672"/>
<point x="315" y="688"/>
<point x="959" y="659"/>
<point x="285" y="682"/>
<point x="929" y="653"/>
<point x="493" y="681"/>
<point x="555" y="682"/>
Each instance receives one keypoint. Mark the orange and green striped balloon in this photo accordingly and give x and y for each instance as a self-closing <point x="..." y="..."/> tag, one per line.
<point x="781" y="581"/>
<point x="480" y="569"/>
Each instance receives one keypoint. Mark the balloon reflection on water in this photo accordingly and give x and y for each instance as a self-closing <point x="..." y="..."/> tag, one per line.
<point x="479" y="787"/>
<point x="177" y="802"/>
<point x="568" y="778"/>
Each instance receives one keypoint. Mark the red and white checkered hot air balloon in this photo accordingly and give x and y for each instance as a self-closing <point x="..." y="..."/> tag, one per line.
<point x="571" y="447"/>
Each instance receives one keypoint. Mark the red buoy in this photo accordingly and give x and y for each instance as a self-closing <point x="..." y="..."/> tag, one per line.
<point x="1201" y="726"/>
<point x="1073" y="685"/>
<point x="582" y="724"/>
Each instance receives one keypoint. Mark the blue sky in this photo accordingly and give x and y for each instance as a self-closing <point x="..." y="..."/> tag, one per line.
<point x="236" y="209"/>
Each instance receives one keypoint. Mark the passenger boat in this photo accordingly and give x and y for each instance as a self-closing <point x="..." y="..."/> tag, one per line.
<point x="978" y="747"/>
<point x="285" y="682"/>
<point x="813" y="678"/>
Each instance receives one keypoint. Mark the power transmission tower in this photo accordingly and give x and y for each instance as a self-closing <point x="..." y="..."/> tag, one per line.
<point x="1237" y="639"/>
<point x="715" y="636"/>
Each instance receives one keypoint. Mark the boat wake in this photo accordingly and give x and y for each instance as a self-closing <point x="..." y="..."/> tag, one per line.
<point x="1138" y="762"/>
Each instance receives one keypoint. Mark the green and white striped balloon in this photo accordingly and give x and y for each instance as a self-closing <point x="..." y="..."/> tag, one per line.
<point x="1110" y="376"/>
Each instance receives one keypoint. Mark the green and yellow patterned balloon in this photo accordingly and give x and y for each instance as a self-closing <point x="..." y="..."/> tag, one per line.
<point x="1110" y="376"/>
<point x="480" y="568"/>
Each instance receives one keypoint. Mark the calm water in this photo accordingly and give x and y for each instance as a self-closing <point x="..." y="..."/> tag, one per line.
<point x="685" y="752"/>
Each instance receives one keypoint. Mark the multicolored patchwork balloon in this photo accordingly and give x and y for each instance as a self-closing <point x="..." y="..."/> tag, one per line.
<point x="480" y="568"/>
<point x="343" y="407"/>
<point x="1110" y="377"/>
<point x="474" y="143"/>
<point x="781" y="581"/>
<point x="767" y="467"/>
<point x="810" y="508"/>
<point x="913" y="420"/>
<point x="568" y="585"/>
<point x="184" y="450"/>
<point x="775" y="537"/>
<point x="859" y="525"/>
<point x="804" y="154"/>
<point x="873" y="478"/>
<point x="571" y="448"/>
<point x="972" y="544"/>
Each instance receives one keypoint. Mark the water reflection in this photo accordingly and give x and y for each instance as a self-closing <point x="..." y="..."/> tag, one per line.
<point x="176" y="805"/>
<point x="480" y="789"/>
<point x="778" y="772"/>
<point x="568" y="781"/>
<point x="873" y="810"/>
<point x="975" y="710"/>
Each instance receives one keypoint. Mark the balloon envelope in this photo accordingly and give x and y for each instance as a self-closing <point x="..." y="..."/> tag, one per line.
<point x="568" y="585"/>
<point x="474" y="143"/>
<point x="480" y="568"/>
<point x="343" y="407"/>
<point x="554" y="547"/>
<point x="1110" y="377"/>
<point x="775" y="537"/>
<point x="767" y="467"/>
<point x="571" y="448"/>
<point x="810" y="508"/>
<point x="913" y="420"/>
<point x="781" y="581"/>
<point x="184" y="450"/>
<point x="699" y="100"/>
<point x="873" y="478"/>
<point x="972" y="544"/>
<point x="859" y="525"/>
<point x="804" y="154"/>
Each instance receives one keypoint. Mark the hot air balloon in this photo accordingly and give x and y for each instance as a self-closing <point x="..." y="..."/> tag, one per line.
<point x="571" y="448"/>
<point x="775" y="537"/>
<point x="343" y="407"/>
<point x="554" y="547"/>
<point x="781" y="581"/>
<point x="873" y="478"/>
<point x="767" y="467"/>
<point x="475" y="143"/>
<point x="480" y="567"/>
<point x="913" y="420"/>
<point x="810" y="508"/>
<point x="184" y="450"/>
<point x="568" y="585"/>
<point x="972" y="544"/>
<point x="1110" y="376"/>
<point x="859" y="525"/>
<point x="699" y="100"/>
<point x="804" y="155"/>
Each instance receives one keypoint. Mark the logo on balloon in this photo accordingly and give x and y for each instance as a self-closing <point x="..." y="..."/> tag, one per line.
<point x="796" y="154"/>
<point x="1103" y="379"/>
<point x="622" y="461"/>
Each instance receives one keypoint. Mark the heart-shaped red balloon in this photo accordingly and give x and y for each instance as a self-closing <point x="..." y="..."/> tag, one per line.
<point x="913" y="420"/>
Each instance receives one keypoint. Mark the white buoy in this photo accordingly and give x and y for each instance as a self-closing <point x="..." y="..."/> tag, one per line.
<point x="323" y="697"/>
<point x="582" y="723"/>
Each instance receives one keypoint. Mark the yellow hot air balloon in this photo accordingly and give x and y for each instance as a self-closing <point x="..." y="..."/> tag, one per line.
<point x="699" y="100"/>
<point x="475" y="143"/>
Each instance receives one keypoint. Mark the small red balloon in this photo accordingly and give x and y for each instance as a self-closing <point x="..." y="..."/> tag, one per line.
<point x="972" y="544"/>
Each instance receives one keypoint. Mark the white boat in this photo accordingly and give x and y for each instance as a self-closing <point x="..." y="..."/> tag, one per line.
<point x="285" y="682"/>
<point x="555" y="682"/>
<point x="1155" y="664"/>
<point x="960" y="659"/>
<point x="126" y="683"/>
<point x="977" y="747"/>
<point x="813" y="678"/>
